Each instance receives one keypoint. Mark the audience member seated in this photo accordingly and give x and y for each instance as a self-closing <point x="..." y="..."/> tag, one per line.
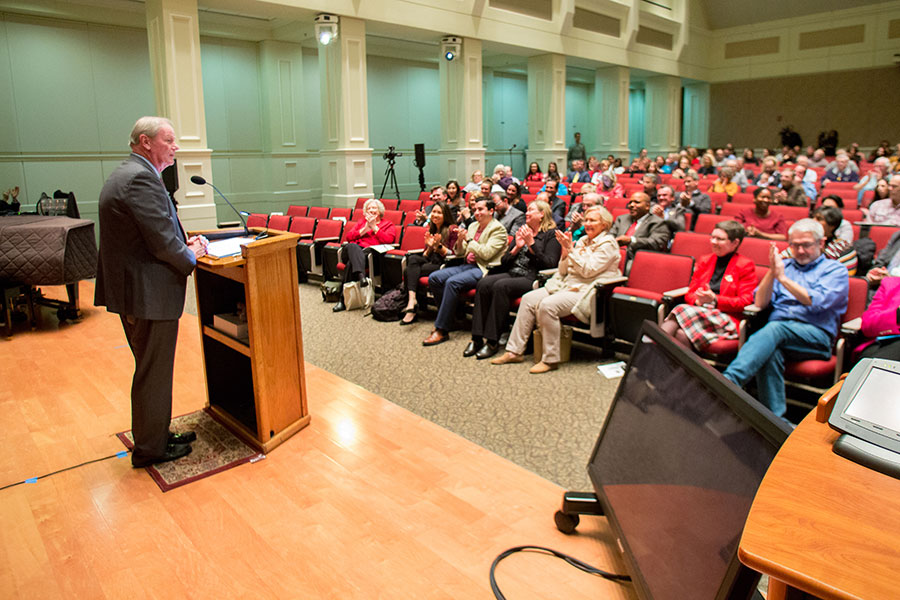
<point x="509" y="216"/>
<point x="466" y="214"/>
<point x="650" y="181"/>
<point x="869" y="181"/>
<point x="578" y="174"/>
<point x="560" y="187"/>
<point x="818" y="159"/>
<point x="534" y="248"/>
<point x="640" y="230"/>
<point x="438" y="194"/>
<point x="706" y="165"/>
<point x="684" y="165"/>
<point x="576" y="214"/>
<point x="552" y="170"/>
<point x="791" y="192"/>
<point x="879" y="323"/>
<point x="760" y="221"/>
<point x="724" y="183"/>
<point x="769" y="175"/>
<point x="844" y="231"/>
<point x="508" y="177"/>
<point x="557" y="205"/>
<point x="534" y="173"/>
<point x="482" y="245"/>
<point x="371" y="230"/>
<point x="887" y="212"/>
<point x="692" y="198"/>
<point x="455" y="196"/>
<point x="475" y="183"/>
<point x="841" y="171"/>
<point x="886" y="264"/>
<point x="807" y="179"/>
<point x="440" y="239"/>
<point x="739" y="177"/>
<point x="594" y="258"/>
<point x="835" y="248"/>
<point x="721" y="287"/>
<point x="671" y="212"/>
<point x="607" y="186"/>
<point x="750" y="157"/>
<point x="808" y="295"/>
<point x="514" y="196"/>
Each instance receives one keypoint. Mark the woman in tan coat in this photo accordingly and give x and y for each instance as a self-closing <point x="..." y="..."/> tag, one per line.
<point x="594" y="258"/>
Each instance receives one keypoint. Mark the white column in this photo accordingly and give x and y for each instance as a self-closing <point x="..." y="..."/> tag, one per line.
<point x="547" y="111"/>
<point x="345" y="156"/>
<point x="696" y="115"/>
<point x="462" y="129"/>
<point x="611" y="107"/>
<point x="662" y="115"/>
<point x="174" y="37"/>
<point x="284" y="133"/>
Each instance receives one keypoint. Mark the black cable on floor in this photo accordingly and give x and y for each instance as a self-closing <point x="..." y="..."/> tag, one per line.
<point x="120" y="454"/>
<point x="569" y="559"/>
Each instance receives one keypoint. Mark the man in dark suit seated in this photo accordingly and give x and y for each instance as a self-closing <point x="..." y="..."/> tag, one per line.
<point x="640" y="230"/>
<point x="145" y="258"/>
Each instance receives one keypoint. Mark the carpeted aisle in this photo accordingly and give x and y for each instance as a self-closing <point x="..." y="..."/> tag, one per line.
<point x="545" y="423"/>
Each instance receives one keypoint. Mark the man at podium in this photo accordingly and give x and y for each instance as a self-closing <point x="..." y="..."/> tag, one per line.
<point x="144" y="260"/>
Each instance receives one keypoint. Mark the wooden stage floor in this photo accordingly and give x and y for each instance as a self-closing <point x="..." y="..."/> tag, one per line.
<point x="369" y="501"/>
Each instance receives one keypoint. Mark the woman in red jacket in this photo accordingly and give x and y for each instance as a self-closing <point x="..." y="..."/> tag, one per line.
<point x="371" y="230"/>
<point x="722" y="285"/>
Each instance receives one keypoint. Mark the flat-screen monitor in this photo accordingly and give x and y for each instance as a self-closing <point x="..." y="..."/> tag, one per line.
<point x="867" y="412"/>
<point x="676" y="466"/>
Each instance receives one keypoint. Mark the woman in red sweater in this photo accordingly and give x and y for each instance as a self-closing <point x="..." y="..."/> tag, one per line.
<point x="371" y="230"/>
<point x="722" y="285"/>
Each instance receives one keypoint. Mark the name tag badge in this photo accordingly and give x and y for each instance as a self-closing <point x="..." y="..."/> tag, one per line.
<point x="729" y="278"/>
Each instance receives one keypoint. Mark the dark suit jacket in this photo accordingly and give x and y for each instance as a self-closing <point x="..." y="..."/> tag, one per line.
<point x="144" y="260"/>
<point x="652" y="234"/>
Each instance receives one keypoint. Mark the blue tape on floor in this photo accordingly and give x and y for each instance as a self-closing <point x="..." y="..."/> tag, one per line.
<point x="122" y="454"/>
<point x="31" y="480"/>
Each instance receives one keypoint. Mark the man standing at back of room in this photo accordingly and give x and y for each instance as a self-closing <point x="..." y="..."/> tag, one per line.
<point x="576" y="150"/>
<point x="145" y="258"/>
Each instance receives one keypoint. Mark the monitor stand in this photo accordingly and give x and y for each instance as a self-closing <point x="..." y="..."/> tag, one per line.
<point x="868" y="455"/>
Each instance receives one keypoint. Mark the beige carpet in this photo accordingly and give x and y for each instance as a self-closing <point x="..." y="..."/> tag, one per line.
<point x="546" y="423"/>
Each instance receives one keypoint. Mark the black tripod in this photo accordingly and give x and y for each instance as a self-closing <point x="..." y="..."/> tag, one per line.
<point x="390" y="178"/>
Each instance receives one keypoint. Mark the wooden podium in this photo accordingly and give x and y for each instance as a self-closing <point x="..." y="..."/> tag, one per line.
<point x="255" y="386"/>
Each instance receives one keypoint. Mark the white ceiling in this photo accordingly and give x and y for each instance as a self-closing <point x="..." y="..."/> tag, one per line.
<point x="721" y="14"/>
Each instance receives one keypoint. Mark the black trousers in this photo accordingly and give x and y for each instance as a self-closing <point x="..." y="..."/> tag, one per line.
<point x="419" y="265"/>
<point x="354" y="258"/>
<point x="153" y="345"/>
<point x="494" y="295"/>
<point x="889" y="349"/>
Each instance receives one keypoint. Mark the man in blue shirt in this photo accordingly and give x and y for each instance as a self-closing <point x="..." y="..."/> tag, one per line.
<point x="808" y="294"/>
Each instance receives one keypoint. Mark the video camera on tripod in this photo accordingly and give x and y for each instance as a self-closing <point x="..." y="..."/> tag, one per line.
<point x="391" y="155"/>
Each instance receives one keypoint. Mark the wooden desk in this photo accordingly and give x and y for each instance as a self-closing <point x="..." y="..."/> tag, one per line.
<point x="823" y="524"/>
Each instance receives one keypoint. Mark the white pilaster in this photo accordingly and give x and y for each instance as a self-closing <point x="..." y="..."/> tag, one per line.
<point x="174" y="37"/>
<point x="696" y="115"/>
<point x="462" y="135"/>
<point x="547" y="111"/>
<point x="345" y="156"/>
<point x="662" y="115"/>
<point x="611" y="107"/>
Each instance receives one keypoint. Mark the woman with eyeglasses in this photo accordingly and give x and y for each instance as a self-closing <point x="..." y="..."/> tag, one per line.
<point x="722" y="285"/>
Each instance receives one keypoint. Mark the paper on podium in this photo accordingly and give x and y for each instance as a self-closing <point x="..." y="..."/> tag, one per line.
<point x="227" y="247"/>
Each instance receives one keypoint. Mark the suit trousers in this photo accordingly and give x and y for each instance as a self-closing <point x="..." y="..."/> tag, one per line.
<point x="153" y="346"/>
<point x="446" y="285"/>
<point x="494" y="296"/>
<point x="541" y="307"/>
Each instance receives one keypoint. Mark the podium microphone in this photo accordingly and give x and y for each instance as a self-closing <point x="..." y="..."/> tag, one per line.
<point x="201" y="181"/>
<point x="511" y="148"/>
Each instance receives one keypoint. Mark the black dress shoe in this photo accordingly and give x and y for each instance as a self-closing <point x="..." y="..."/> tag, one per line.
<point x="173" y="452"/>
<point x="487" y="351"/>
<point x="339" y="306"/>
<point x="182" y="438"/>
<point x="472" y="348"/>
